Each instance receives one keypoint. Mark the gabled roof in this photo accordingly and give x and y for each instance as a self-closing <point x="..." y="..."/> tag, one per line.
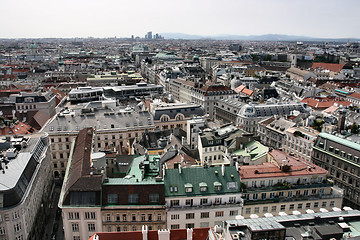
<point x="80" y="178"/>
<point x="328" y="66"/>
<point x="195" y="175"/>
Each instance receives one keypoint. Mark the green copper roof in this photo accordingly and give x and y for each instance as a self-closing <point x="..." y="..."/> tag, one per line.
<point x="340" y="140"/>
<point x="196" y="177"/>
<point x="254" y="149"/>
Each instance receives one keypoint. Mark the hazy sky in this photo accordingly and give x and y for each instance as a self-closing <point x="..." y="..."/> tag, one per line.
<point x="109" y="18"/>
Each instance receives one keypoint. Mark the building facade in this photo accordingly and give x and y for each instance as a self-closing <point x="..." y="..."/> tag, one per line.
<point x="341" y="158"/>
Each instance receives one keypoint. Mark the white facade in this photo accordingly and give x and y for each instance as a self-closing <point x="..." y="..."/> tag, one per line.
<point x="205" y="211"/>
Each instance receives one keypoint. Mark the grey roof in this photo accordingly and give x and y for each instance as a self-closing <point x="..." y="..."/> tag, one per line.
<point x="264" y="110"/>
<point x="16" y="166"/>
<point x="188" y="110"/>
<point x="101" y="118"/>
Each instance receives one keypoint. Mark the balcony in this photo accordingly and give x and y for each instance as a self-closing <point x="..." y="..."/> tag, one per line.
<point x="294" y="198"/>
<point x="288" y="186"/>
<point x="206" y="206"/>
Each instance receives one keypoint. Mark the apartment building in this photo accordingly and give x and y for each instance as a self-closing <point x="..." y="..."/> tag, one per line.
<point x="341" y="158"/>
<point x="286" y="184"/>
<point x="199" y="93"/>
<point x="251" y="114"/>
<point x="227" y="110"/>
<point x="215" y="145"/>
<point x="272" y="131"/>
<point x="113" y="129"/>
<point x="201" y="197"/>
<point x="174" y="115"/>
<point x="34" y="101"/>
<point x="92" y="202"/>
<point x="299" y="142"/>
<point x="25" y="186"/>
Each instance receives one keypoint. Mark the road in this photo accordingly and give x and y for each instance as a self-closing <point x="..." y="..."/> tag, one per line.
<point x="54" y="217"/>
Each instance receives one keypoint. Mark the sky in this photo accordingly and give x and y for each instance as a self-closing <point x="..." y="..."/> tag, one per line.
<point x="123" y="18"/>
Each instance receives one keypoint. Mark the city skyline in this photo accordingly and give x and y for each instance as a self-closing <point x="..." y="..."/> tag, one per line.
<point x="39" y="18"/>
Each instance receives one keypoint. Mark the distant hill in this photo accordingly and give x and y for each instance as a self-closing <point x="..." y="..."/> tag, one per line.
<point x="266" y="37"/>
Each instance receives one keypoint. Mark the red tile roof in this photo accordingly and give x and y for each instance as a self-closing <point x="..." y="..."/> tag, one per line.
<point x="355" y="95"/>
<point x="329" y="66"/>
<point x="323" y="103"/>
<point x="20" y="128"/>
<point x="175" y="234"/>
<point x="268" y="170"/>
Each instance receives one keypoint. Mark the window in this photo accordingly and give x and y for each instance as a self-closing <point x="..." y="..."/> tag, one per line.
<point x="17" y="227"/>
<point x="273" y="208"/>
<point x="265" y="209"/>
<point x="316" y="204"/>
<point x="219" y="214"/>
<point x="190" y="225"/>
<point x="300" y="206"/>
<point x="204" y="215"/>
<point x="188" y="202"/>
<point x="323" y="204"/>
<point x="133" y="217"/>
<point x="154" y="198"/>
<point x="124" y="217"/>
<point x="76" y="238"/>
<point x="109" y="229"/>
<point x="256" y="210"/>
<point x="16" y="215"/>
<point x="149" y="217"/>
<point x="203" y="201"/>
<point x="332" y="203"/>
<point x="133" y="198"/>
<point x="233" y="213"/>
<point x="2" y="231"/>
<point x="117" y="217"/>
<point x="292" y="206"/>
<point x="108" y="218"/>
<point x="175" y="216"/>
<point x="134" y="228"/>
<point x="175" y="226"/>
<point x="118" y="229"/>
<point x="91" y="227"/>
<point x="232" y="199"/>
<point x="19" y="237"/>
<point x="75" y="227"/>
<point x="217" y="200"/>
<point x="112" y="198"/>
<point x="159" y="217"/>
<point x="190" y="216"/>
<point x="308" y="205"/>
<point x="89" y="215"/>
<point x="174" y="203"/>
<point x="248" y="210"/>
<point x="188" y="189"/>
<point x="282" y="207"/>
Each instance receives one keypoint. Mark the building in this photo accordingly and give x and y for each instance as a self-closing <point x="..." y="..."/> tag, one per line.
<point x="214" y="145"/>
<point x="133" y="91"/>
<point x="227" y="110"/>
<point x="85" y="94"/>
<point x="25" y="186"/>
<point x="201" y="197"/>
<point x="299" y="141"/>
<point x="92" y="202"/>
<point x="193" y="128"/>
<point x="114" y="128"/>
<point x="272" y="131"/>
<point x="341" y="158"/>
<point x="174" y="115"/>
<point x="250" y="114"/>
<point x="337" y="224"/>
<point x="31" y="102"/>
<point x="286" y="184"/>
<point x="163" y="234"/>
<point x="198" y="93"/>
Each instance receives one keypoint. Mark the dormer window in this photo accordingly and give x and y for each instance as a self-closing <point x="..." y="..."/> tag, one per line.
<point x="188" y="187"/>
<point x="217" y="186"/>
<point x="203" y="187"/>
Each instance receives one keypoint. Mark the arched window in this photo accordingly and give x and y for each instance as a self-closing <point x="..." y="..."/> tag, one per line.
<point x="164" y="118"/>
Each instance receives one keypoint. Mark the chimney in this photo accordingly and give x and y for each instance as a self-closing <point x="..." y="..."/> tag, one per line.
<point x="237" y="166"/>
<point x="144" y="230"/>
<point x="164" y="234"/>
<point x="179" y="167"/>
<point x="189" y="234"/>
<point x="223" y="170"/>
